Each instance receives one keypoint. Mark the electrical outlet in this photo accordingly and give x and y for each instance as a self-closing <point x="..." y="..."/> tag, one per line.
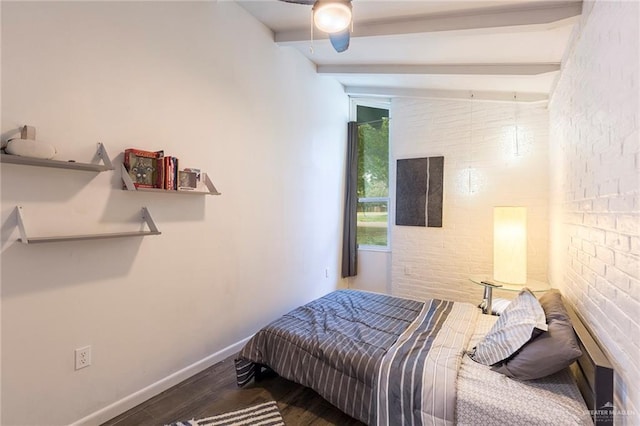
<point x="83" y="357"/>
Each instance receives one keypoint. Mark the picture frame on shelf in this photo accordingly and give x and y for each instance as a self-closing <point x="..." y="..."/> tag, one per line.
<point x="187" y="181"/>
<point x="145" y="168"/>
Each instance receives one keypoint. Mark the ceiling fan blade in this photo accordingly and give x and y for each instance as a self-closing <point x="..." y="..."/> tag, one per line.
<point x="340" y="41"/>
<point x="307" y="2"/>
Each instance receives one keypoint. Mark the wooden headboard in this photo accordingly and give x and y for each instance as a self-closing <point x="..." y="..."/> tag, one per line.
<point x="594" y="374"/>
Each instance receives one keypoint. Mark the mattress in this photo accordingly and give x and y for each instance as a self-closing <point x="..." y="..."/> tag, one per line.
<point x="488" y="398"/>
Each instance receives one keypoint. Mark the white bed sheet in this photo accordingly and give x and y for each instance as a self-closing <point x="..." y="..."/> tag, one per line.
<point x="488" y="398"/>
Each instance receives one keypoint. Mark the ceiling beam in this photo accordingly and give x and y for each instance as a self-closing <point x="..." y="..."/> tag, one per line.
<point x="532" y="13"/>
<point x="442" y="69"/>
<point x="389" y="92"/>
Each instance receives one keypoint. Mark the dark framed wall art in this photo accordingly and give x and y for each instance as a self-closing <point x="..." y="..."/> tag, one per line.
<point x="419" y="191"/>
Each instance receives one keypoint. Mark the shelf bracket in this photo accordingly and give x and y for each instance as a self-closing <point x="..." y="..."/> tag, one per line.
<point x="210" y="186"/>
<point x="101" y="154"/>
<point x="21" y="225"/>
<point x="128" y="182"/>
<point x="28" y="132"/>
<point x="146" y="216"/>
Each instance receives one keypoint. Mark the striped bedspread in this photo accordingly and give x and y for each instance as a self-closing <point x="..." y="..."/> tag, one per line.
<point x="381" y="359"/>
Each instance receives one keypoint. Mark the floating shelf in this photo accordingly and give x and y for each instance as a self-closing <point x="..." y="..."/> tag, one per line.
<point x="101" y="154"/>
<point x="38" y="240"/>
<point x="130" y="186"/>
<point x="146" y="217"/>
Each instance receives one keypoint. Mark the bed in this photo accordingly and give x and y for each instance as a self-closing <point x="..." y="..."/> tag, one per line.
<point x="388" y="360"/>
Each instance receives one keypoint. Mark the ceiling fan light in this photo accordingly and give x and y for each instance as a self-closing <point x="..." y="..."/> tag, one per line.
<point x="332" y="17"/>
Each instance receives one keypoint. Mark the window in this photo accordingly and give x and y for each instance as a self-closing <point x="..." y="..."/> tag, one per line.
<point x="373" y="174"/>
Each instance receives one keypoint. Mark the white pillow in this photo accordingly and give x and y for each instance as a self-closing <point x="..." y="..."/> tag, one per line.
<point x="30" y="148"/>
<point x="499" y="305"/>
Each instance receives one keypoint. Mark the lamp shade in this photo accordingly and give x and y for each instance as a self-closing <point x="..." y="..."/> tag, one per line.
<point x="510" y="244"/>
<point x="332" y="16"/>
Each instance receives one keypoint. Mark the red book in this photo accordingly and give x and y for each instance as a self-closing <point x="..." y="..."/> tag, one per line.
<point x="167" y="172"/>
<point x="164" y="166"/>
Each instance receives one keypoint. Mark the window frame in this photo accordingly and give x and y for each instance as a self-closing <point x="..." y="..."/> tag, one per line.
<point x="381" y="104"/>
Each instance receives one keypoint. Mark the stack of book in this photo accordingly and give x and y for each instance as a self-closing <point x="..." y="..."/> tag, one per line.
<point x="170" y="172"/>
<point x="153" y="169"/>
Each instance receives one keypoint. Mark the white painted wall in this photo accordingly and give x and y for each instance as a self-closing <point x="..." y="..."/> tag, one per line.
<point x="482" y="169"/>
<point x="374" y="272"/>
<point x="595" y="182"/>
<point x="205" y="82"/>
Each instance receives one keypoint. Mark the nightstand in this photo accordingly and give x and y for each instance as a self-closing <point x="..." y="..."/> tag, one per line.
<point x="489" y="284"/>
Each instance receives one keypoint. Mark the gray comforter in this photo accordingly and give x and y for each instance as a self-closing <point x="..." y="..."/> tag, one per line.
<point x="380" y="359"/>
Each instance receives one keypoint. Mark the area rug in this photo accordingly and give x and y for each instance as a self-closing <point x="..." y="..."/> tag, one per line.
<point x="266" y="414"/>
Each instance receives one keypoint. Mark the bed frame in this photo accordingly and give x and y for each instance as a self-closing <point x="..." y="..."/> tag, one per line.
<point x="594" y="374"/>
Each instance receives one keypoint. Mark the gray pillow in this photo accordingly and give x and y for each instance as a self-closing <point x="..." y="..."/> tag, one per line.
<point x="520" y="321"/>
<point x="551" y="351"/>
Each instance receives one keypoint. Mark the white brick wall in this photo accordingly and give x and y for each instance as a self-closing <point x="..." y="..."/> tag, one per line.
<point x="595" y="181"/>
<point x="482" y="170"/>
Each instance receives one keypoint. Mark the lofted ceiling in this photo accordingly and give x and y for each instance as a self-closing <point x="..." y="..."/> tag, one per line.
<point x="451" y="49"/>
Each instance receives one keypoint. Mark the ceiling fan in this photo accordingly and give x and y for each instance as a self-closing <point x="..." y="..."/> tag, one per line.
<point x="332" y="17"/>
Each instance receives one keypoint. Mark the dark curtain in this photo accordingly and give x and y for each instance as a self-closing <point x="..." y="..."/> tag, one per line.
<point x="349" y="246"/>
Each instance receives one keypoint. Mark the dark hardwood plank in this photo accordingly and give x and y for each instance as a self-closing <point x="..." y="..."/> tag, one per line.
<point x="214" y="391"/>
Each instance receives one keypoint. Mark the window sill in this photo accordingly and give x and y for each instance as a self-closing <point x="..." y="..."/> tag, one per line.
<point x="374" y="248"/>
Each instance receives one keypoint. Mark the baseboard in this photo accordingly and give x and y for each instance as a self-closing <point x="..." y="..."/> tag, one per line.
<point x="136" y="398"/>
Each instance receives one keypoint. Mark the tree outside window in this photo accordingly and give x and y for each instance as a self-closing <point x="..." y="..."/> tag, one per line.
<point x="373" y="177"/>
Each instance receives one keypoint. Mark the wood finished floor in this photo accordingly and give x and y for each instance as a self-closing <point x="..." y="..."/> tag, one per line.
<point x="214" y="391"/>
